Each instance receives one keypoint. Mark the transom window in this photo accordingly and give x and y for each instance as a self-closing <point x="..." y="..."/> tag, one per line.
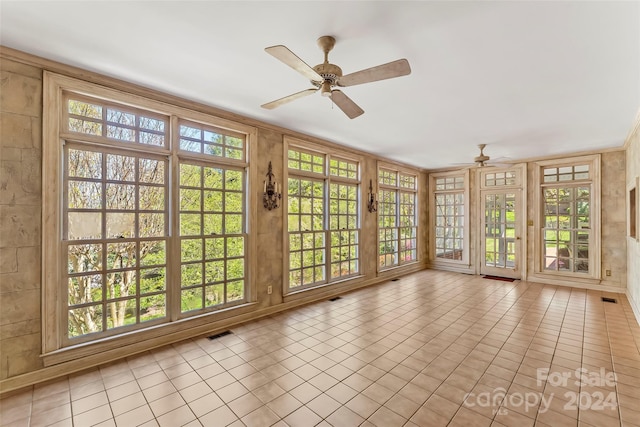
<point x="116" y="218"/>
<point x="566" y="173"/>
<point x="198" y="138"/>
<point x="500" y="179"/>
<point x="116" y="122"/>
<point x="323" y="218"/>
<point x="397" y="225"/>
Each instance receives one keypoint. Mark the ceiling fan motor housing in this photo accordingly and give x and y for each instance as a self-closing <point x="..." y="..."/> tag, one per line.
<point x="329" y="72"/>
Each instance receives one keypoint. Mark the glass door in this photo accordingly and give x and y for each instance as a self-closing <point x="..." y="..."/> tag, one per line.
<point x="501" y="223"/>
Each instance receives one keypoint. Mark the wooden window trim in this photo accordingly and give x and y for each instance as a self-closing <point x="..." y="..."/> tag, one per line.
<point x="54" y="86"/>
<point x="398" y="189"/>
<point x="327" y="178"/>
<point x="595" y="267"/>
<point x="443" y="262"/>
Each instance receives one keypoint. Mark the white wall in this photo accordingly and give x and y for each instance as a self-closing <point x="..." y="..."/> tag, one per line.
<point x="633" y="245"/>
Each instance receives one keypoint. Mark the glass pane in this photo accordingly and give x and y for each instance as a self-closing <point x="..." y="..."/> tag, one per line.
<point x="84" y="225"/>
<point x="85" y="164"/>
<point x="84" y="320"/>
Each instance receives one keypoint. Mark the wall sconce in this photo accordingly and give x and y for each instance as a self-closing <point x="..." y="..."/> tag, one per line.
<point x="372" y="203"/>
<point x="270" y="196"/>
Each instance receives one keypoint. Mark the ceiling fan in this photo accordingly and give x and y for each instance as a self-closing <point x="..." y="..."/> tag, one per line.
<point x="326" y="76"/>
<point x="482" y="160"/>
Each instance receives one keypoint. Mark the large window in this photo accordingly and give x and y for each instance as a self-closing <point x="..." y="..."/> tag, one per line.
<point x="567" y="218"/>
<point x="115" y="239"/>
<point x="449" y="218"/>
<point x="152" y="224"/>
<point x="323" y="217"/>
<point x="569" y="221"/>
<point x="397" y="222"/>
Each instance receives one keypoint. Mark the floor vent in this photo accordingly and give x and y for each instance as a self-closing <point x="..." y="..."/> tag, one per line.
<point x="335" y="298"/>
<point x="504" y="279"/>
<point x="221" y="334"/>
<point x="394" y="280"/>
<point x="611" y="300"/>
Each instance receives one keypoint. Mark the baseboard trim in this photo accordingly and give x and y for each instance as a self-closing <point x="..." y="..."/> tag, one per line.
<point x="595" y="286"/>
<point x="635" y="307"/>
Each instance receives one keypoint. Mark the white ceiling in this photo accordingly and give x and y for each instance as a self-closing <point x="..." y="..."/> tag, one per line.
<point x="527" y="78"/>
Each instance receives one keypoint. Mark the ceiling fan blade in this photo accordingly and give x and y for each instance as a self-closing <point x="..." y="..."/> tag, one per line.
<point x="278" y="102"/>
<point x="291" y="59"/>
<point x="381" y="72"/>
<point x="350" y="108"/>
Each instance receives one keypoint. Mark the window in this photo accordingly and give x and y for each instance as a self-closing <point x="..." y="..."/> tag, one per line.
<point x="449" y="219"/>
<point x="397" y="225"/>
<point x="500" y="179"/>
<point x="569" y="222"/>
<point x="117" y="270"/>
<point x="323" y="217"/>
<point x="212" y="219"/>
<point x="115" y="239"/>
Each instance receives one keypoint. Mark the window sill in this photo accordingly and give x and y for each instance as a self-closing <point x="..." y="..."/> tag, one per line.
<point x="105" y="349"/>
<point x="293" y="295"/>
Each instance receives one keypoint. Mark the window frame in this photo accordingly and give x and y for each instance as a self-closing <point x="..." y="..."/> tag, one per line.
<point x="55" y="348"/>
<point x="327" y="179"/>
<point x="594" y="182"/>
<point x="399" y="190"/>
<point x="464" y="262"/>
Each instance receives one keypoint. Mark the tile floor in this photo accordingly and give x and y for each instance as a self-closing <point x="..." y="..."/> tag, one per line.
<point x="432" y="349"/>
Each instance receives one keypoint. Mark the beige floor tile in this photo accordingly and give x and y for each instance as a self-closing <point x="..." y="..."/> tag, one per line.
<point x="232" y="392"/>
<point x="245" y="404"/>
<point x="302" y="417"/>
<point x="442" y="406"/>
<point x="384" y="417"/>
<point x="51" y="415"/>
<point x="158" y="391"/>
<point x="344" y="417"/>
<point x="205" y="404"/>
<point x="284" y="405"/>
<point x="323" y="405"/>
<point x="363" y="406"/>
<point x="46" y="403"/>
<point x="93" y="416"/>
<point x="166" y="404"/>
<point x="195" y="391"/>
<point x="376" y="357"/>
<point x="222" y="416"/>
<point x="427" y="417"/>
<point x="341" y="392"/>
<point x="128" y="403"/>
<point x="467" y="418"/>
<point x="402" y="406"/>
<point x="305" y="392"/>
<point x="378" y="393"/>
<point x="90" y="402"/>
<point x="123" y="390"/>
<point x="261" y="417"/>
<point x="14" y="412"/>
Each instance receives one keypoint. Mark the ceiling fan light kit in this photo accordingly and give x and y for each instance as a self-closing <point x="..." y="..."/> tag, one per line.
<point x="326" y="76"/>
